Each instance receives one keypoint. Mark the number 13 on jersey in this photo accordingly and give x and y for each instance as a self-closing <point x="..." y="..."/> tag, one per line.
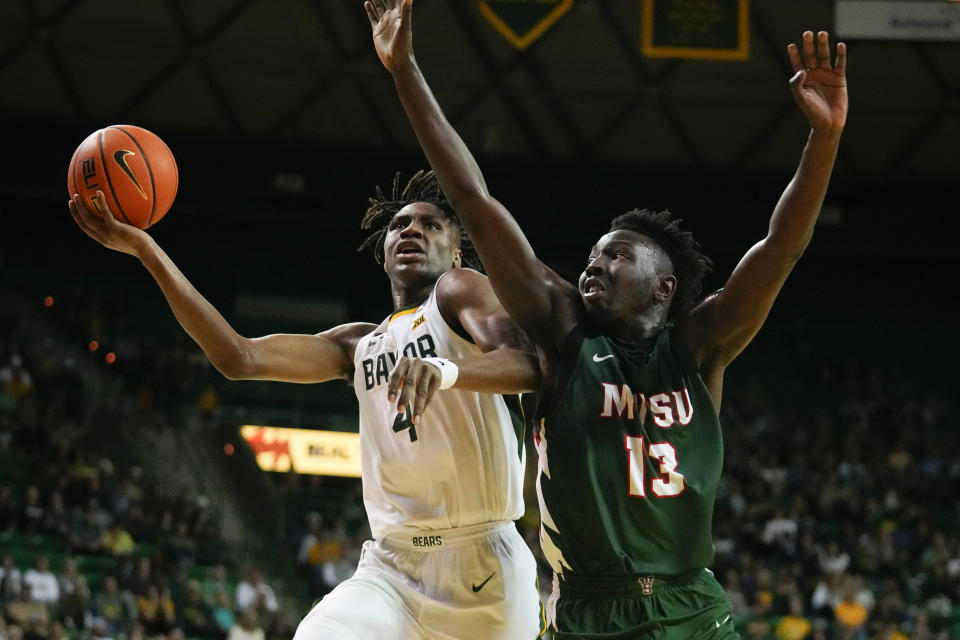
<point x="668" y="485"/>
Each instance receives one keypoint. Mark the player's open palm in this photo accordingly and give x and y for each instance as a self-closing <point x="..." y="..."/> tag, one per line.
<point x="391" y="21"/>
<point x="106" y="229"/>
<point x="819" y="87"/>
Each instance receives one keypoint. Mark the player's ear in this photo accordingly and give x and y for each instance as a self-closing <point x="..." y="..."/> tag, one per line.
<point x="665" y="288"/>
<point x="457" y="258"/>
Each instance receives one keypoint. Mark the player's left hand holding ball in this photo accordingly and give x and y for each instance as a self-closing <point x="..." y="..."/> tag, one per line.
<point x="106" y="229"/>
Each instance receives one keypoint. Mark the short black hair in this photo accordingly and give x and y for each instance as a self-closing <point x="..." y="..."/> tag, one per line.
<point x="422" y="187"/>
<point x="689" y="264"/>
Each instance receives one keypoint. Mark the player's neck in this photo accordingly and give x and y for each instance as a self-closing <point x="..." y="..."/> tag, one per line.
<point x="632" y="330"/>
<point x="405" y="296"/>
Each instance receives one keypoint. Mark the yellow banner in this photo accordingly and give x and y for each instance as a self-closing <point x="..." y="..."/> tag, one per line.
<point x="325" y="453"/>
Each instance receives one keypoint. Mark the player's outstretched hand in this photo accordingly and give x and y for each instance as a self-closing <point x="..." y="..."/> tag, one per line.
<point x="392" y="24"/>
<point x="412" y="384"/>
<point x="820" y="88"/>
<point x="106" y="229"/>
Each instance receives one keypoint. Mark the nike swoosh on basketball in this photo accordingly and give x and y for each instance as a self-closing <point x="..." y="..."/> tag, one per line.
<point x="724" y="621"/>
<point x="597" y="357"/>
<point x="477" y="587"/>
<point x="120" y="157"/>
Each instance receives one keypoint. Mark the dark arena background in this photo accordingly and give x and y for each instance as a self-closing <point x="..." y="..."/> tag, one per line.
<point x="123" y="472"/>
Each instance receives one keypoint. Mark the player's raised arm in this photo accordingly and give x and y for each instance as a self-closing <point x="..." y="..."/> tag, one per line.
<point x="528" y="290"/>
<point x="720" y="327"/>
<point x="281" y="357"/>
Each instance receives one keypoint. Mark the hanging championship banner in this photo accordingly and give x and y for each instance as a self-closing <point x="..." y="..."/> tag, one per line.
<point x="523" y="21"/>
<point x="699" y="29"/>
<point x="326" y="453"/>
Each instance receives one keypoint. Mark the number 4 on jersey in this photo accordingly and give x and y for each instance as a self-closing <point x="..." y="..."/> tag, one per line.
<point x="405" y="421"/>
<point x="670" y="484"/>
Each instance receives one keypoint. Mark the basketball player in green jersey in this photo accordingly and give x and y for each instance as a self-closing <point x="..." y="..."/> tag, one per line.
<point x="630" y="448"/>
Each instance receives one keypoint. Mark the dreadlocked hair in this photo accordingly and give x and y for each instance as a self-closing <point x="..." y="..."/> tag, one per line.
<point x="689" y="265"/>
<point x="422" y="187"/>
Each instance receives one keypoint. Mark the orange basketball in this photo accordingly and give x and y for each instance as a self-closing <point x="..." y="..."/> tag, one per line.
<point x="133" y="168"/>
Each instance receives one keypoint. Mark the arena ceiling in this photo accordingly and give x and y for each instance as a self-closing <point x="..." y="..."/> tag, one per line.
<point x="304" y="72"/>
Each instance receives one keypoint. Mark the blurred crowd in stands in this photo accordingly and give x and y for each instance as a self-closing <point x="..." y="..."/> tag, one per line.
<point x="93" y="548"/>
<point x="839" y="509"/>
<point x="838" y="515"/>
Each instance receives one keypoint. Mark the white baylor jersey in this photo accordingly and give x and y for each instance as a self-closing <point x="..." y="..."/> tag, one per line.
<point x="462" y="465"/>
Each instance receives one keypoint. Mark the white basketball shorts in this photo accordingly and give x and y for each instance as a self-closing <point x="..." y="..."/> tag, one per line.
<point x="468" y="583"/>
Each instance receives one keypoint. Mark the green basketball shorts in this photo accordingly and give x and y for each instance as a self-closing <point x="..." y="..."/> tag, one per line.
<point x="689" y="606"/>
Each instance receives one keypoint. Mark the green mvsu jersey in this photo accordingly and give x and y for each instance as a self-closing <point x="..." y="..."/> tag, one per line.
<point x="630" y="453"/>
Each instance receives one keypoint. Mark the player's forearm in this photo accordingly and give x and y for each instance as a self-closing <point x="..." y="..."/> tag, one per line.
<point x="508" y="258"/>
<point x="456" y="169"/>
<point x="202" y="322"/>
<point x="499" y="371"/>
<point x="793" y="219"/>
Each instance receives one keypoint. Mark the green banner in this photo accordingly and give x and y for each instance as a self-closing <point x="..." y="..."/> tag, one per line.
<point x="523" y="21"/>
<point x="706" y="29"/>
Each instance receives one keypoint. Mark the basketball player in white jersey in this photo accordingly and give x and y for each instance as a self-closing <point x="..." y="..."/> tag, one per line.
<point x="441" y="489"/>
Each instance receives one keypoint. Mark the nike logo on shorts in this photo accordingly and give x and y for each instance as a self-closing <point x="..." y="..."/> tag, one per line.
<point x="724" y="621"/>
<point x="598" y="358"/>
<point x="477" y="587"/>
